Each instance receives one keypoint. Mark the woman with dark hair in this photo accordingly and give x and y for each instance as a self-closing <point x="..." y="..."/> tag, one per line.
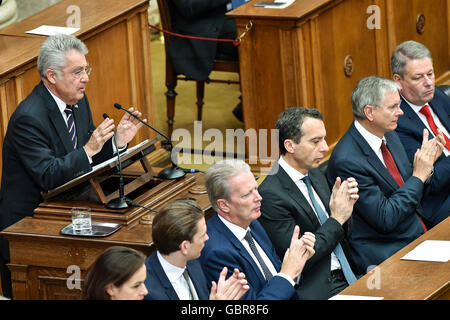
<point x="117" y="274"/>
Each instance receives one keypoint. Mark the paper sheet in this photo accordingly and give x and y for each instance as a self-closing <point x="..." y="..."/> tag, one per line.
<point x="430" y="250"/>
<point x="352" y="297"/>
<point x="46" y="30"/>
<point x="287" y="3"/>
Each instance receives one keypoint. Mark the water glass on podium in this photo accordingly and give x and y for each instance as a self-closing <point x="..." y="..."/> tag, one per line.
<point x="81" y="220"/>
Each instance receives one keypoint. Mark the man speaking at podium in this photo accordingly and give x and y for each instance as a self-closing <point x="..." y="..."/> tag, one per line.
<point x="51" y="138"/>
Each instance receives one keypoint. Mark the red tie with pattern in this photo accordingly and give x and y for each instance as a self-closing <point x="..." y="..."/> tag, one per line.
<point x="427" y="113"/>
<point x="393" y="170"/>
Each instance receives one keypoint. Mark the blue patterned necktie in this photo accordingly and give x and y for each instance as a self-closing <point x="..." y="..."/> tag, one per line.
<point x="348" y="273"/>
<point x="71" y="125"/>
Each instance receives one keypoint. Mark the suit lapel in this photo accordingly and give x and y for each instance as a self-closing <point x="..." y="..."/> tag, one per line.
<point x="292" y="190"/>
<point x="56" y="118"/>
<point x="238" y="245"/>
<point x="414" y="122"/>
<point x="395" y="154"/>
<point x="372" y="158"/>
<point x="80" y="125"/>
<point x="162" y="277"/>
<point x="442" y="113"/>
<point x="266" y="246"/>
<point x="322" y="190"/>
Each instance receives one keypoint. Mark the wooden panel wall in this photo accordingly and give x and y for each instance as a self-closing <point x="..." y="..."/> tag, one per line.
<point x="296" y="56"/>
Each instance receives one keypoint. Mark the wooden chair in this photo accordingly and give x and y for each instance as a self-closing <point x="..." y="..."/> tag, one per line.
<point x="172" y="77"/>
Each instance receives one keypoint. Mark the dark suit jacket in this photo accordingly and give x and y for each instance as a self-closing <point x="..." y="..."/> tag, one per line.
<point x="283" y="206"/>
<point x="224" y="249"/>
<point x="436" y="204"/>
<point x="385" y="217"/>
<point x="195" y="58"/>
<point x="159" y="286"/>
<point x="38" y="154"/>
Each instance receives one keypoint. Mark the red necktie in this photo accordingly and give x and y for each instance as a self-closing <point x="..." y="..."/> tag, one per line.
<point x="427" y="113"/>
<point x="393" y="170"/>
<point x="390" y="164"/>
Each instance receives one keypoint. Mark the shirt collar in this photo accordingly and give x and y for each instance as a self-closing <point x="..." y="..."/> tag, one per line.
<point x="235" y="229"/>
<point x="61" y="104"/>
<point x="373" y="141"/>
<point x="416" y="108"/>
<point x="294" y="174"/>
<point x="172" y="272"/>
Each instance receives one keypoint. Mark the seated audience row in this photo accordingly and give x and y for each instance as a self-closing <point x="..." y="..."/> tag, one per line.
<point x="386" y="183"/>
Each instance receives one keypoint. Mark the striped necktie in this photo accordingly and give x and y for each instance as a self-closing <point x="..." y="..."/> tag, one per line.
<point x="71" y="125"/>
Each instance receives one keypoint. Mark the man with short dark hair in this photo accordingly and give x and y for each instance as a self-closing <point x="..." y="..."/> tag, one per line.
<point x="425" y="106"/>
<point x="296" y="192"/>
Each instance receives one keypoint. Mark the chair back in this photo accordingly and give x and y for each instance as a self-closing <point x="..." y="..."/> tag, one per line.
<point x="164" y="14"/>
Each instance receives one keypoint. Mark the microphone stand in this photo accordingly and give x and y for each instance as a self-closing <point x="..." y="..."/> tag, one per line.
<point x="173" y="172"/>
<point x="121" y="202"/>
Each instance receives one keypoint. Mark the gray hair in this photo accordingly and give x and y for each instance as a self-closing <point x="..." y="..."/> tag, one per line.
<point x="290" y="122"/>
<point x="408" y="50"/>
<point x="216" y="179"/>
<point x="370" y="91"/>
<point x="52" y="54"/>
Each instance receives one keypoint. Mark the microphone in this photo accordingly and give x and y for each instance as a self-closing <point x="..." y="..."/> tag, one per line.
<point x="121" y="202"/>
<point x="173" y="172"/>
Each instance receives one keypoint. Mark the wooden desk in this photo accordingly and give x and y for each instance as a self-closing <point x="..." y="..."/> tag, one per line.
<point x="313" y="52"/>
<point x="117" y="36"/>
<point x="406" y="279"/>
<point x="40" y="255"/>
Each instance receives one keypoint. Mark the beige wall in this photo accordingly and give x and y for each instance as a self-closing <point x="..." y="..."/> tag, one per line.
<point x="8" y="13"/>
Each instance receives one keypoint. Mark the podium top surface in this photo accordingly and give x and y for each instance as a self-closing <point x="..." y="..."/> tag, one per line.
<point x="295" y="11"/>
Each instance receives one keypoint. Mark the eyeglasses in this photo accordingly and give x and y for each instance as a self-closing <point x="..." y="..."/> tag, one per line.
<point x="79" y="73"/>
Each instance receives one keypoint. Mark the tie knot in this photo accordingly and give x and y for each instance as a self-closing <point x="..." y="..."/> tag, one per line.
<point x="68" y="109"/>
<point x="425" y="110"/>
<point x="383" y="145"/>
<point x="307" y="181"/>
<point x="248" y="236"/>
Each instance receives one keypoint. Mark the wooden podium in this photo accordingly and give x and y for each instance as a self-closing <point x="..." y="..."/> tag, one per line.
<point x="43" y="260"/>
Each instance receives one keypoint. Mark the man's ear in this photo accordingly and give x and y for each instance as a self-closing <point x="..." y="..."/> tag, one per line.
<point x="397" y="78"/>
<point x="368" y="111"/>
<point x="184" y="245"/>
<point x="51" y="76"/>
<point x="289" y="145"/>
<point x="223" y="205"/>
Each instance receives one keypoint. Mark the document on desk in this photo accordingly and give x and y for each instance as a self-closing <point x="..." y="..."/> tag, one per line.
<point x="430" y="250"/>
<point x="353" y="297"/>
<point x="277" y="4"/>
<point x="46" y="30"/>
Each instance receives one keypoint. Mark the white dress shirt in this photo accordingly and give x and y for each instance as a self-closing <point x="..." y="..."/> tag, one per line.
<point x="425" y="122"/>
<point x="373" y="141"/>
<point x="175" y="275"/>
<point x="240" y="234"/>
<point x="297" y="177"/>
